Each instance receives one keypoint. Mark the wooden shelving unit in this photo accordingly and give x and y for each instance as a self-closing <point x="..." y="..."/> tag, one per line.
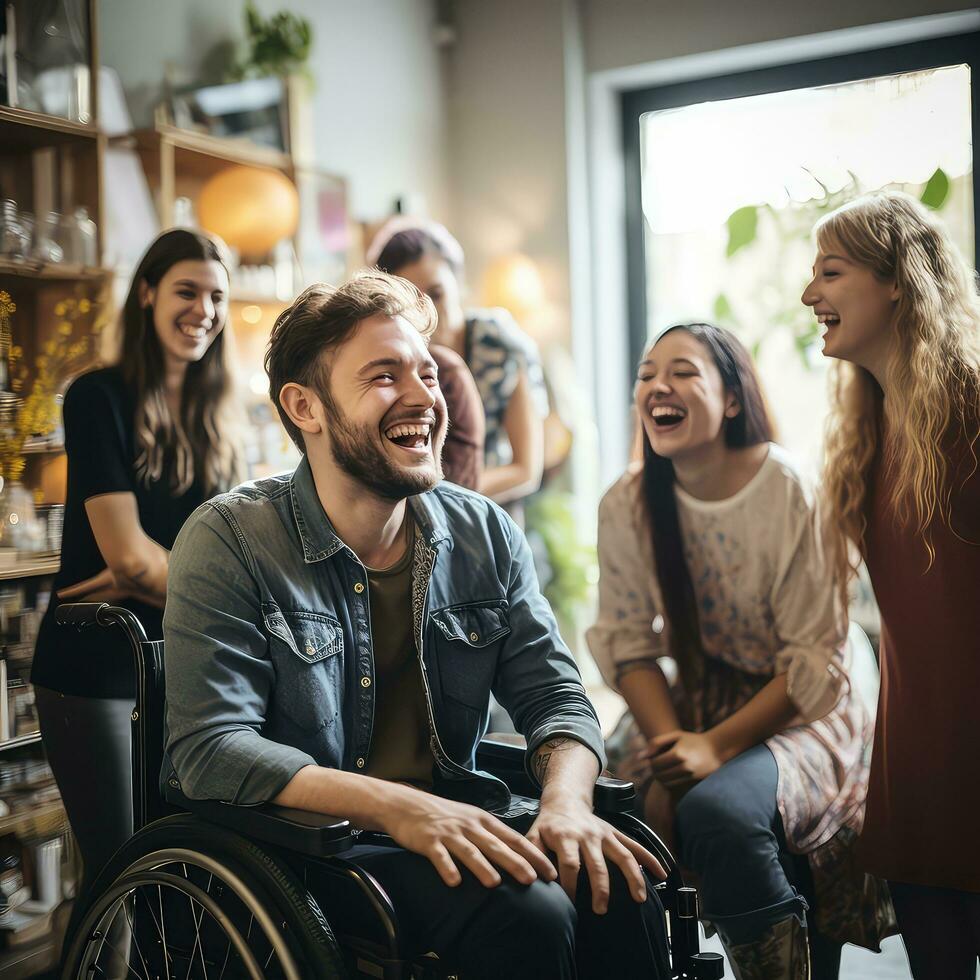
<point x="21" y="129"/>
<point x="178" y="162"/>
<point x="46" y="164"/>
<point x="22" y="962"/>
<point x="61" y="272"/>
<point x="29" y="569"/>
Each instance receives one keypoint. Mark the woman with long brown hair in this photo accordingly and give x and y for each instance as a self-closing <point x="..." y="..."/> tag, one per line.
<point x="902" y="316"/>
<point x="147" y="440"/>
<point x="713" y="574"/>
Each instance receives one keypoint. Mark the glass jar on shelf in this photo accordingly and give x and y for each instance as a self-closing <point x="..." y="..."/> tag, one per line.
<point x="83" y="238"/>
<point x="15" y="236"/>
<point x="48" y="239"/>
<point x="19" y="527"/>
<point x="184" y="213"/>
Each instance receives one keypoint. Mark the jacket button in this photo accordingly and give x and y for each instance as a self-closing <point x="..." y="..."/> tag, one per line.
<point x="474" y="637"/>
<point x="358" y="587"/>
<point x="360" y="763"/>
<point x="365" y="682"/>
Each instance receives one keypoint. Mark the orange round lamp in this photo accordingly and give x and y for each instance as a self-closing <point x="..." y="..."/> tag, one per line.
<point x="252" y="209"/>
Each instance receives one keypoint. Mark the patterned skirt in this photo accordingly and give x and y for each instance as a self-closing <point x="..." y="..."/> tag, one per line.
<point x="823" y="777"/>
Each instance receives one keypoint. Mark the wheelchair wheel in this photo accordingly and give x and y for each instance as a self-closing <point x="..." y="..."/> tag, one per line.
<point x="186" y="899"/>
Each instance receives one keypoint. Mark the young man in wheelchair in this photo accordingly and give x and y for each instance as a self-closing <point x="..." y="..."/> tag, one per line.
<point x="332" y="639"/>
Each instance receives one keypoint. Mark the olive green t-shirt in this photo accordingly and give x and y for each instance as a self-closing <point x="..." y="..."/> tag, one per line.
<point x="400" y="740"/>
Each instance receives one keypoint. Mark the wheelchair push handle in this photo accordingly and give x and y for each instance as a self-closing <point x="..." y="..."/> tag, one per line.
<point x="81" y="614"/>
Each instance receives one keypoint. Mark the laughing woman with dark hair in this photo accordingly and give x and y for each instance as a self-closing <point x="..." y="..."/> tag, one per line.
<point x="148" y="440"/>
<point x="754" y="760"/>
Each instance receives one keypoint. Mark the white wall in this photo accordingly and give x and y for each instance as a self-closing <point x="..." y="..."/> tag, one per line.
<point x="507" y="136"/>
<point x="631" y="32"/>
<point x="379" y="103"/>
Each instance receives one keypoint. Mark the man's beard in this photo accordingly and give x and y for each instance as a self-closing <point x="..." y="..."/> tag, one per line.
<point x="356" y="451"/>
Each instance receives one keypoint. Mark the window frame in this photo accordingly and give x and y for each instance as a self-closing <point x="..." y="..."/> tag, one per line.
<point x="841" y="69"/>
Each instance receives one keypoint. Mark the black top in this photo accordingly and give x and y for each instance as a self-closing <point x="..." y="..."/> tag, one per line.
<point x="99" y="440"/>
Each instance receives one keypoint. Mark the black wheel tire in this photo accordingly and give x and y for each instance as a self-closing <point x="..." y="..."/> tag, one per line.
<point x="310" y="937"/>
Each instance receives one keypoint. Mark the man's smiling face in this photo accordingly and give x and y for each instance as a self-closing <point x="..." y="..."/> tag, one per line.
<point x="386" y="417"/>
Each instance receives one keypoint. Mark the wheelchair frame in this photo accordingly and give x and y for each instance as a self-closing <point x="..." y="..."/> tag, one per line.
<point x="299" y="834"/>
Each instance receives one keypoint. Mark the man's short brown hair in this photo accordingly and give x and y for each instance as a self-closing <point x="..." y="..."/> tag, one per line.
<point x="323" y="317"/>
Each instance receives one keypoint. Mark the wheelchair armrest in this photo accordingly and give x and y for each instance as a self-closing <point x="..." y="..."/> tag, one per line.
<point x="613" y="795"/>
<point x="505" y="759"/>
<point x="311" y="834"/>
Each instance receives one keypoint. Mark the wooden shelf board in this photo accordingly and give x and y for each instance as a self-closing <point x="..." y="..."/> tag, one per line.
<point x="49" y="449"/>
<point x="30" y="568"/>
<point x="21" y="129"/>
<point x="60" y="272"/>
<point x="202" y="155"/>
<point x="19" y="741"/>
<point x="28" y="960"/>
<point x="41" y="812"/>
<point x="258" y="299"/>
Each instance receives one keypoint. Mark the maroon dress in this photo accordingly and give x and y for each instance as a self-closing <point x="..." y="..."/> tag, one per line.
<point x="462" y="455"/>
<point x="922" y="824"/>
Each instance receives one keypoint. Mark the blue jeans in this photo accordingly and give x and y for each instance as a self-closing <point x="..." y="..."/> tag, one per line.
<point x="730" y="832"/>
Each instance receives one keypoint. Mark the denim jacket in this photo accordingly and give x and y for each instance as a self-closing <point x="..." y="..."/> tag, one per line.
<point x="268" y="655"/>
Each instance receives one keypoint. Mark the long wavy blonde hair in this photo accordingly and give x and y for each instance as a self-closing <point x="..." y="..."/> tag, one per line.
<point x="935" y="365"/>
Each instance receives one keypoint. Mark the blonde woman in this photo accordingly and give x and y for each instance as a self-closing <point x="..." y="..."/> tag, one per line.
<point x="147" y="440"/>
<point x="901" y="313"/>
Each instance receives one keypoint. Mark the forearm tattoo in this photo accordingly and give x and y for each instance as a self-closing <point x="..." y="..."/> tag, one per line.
<point x="543" y="754"/>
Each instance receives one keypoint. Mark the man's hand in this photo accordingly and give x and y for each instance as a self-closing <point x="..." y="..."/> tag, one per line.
<point x="679" y="759"/>
<point x="567" y="827"/>
<point x="576" y="836"/>
<point x="447" y="832"/>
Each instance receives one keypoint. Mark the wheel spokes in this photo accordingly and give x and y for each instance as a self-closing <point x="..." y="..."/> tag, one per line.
<point x="203" y="934"/>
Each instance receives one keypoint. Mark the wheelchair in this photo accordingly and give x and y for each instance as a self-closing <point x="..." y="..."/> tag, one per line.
<point x="205" y="889"/>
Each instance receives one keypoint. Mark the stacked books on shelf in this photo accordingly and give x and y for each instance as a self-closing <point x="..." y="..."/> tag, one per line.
<point x="21" y="606"/>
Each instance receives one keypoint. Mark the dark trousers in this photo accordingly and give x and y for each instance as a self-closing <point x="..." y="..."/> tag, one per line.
<point x="88" y="742"/>
<point x="730" y="832"/>
<point x="514" y="931"/>
<point x="940" y="929"/>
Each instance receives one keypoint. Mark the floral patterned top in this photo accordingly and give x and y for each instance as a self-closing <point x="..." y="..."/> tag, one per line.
<point x="767" y="605"/>
<point x="497" y="350"/>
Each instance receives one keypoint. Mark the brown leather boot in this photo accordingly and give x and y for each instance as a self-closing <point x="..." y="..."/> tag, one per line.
<point x="780" y="953"/>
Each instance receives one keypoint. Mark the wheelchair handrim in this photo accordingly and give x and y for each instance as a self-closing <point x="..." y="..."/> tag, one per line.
<point x="180" y="855"/>
<point x="153" y="861"/>
<point x="127" y="886"/>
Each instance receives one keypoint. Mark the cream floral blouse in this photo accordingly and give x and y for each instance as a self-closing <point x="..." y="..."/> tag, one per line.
<point x="767" y="605"/>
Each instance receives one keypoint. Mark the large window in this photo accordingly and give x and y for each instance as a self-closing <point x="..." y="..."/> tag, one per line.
<point x="726" y="177"/>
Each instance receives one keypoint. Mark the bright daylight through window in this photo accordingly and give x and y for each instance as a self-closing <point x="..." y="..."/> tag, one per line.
<point x="731" y="191"/>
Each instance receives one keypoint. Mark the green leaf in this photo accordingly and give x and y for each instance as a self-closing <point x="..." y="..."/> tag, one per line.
<point x="741" y="228"/>
<point x="723" y="309"/>
<point x="936" y="191"/>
